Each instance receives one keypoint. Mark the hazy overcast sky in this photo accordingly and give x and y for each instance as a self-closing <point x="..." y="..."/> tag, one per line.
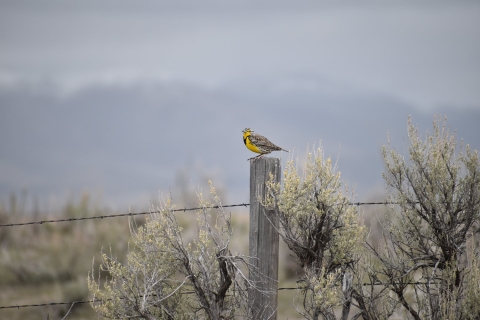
<point x="119" y="95"/>
<point x="427" y="53"/>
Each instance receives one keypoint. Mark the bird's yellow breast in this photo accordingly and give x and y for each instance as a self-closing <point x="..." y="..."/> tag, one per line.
<point x="249" y="144"/>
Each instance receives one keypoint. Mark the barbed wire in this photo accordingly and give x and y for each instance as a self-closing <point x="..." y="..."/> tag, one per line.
<point x="131" y="214"/>
<point x="385" y="203"/>
<point x="46" y="304"/>
<point x="49" y="304"/>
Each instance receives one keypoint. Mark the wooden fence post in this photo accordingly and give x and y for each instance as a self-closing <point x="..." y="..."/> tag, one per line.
<point x="263" y="241"/>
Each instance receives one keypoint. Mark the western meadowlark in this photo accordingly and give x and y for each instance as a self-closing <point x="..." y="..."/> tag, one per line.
<point x="258" y="143"/>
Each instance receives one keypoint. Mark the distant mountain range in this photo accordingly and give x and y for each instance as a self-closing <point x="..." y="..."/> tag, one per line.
<point x="127" y="142"/>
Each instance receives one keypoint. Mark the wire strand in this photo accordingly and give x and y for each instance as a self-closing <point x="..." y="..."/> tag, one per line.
<point x="47" y="304"/>
<point x="150" y="212"/>
<point x="131" y="214"/>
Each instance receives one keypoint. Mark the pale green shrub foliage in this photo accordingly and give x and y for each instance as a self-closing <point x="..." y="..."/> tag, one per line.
<point x="470" y="303"/>
<point x="145" y="286"/>
<point x="325" y="290"/>
<point x="164" y="278"/>
<point x="321" y="227"/>
<point x="438" y="194"/>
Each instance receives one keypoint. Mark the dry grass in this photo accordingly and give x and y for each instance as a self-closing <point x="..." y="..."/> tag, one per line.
<point x="50" y="262"/>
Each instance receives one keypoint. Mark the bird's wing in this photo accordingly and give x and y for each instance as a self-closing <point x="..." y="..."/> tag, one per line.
<point x="262" y="142"/>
